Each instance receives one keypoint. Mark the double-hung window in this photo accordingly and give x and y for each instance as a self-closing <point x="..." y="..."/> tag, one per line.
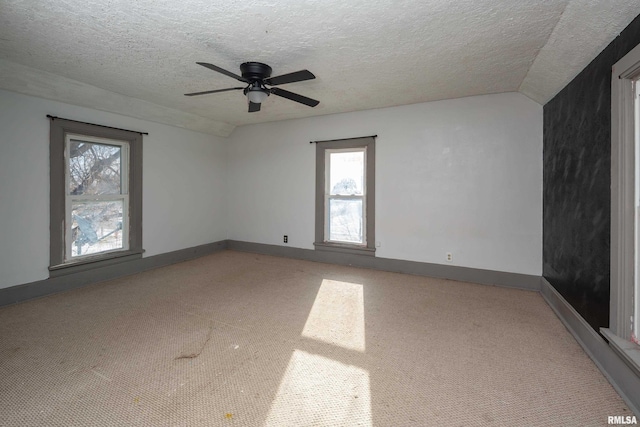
<point x="96" y="196"/>
<point x="345" y="195"/>
<point x="624" y="324"/>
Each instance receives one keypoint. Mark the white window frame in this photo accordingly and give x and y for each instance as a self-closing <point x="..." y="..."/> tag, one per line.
<point x="70" y="199"/>
<point x="328" y="196"/>
<point x="624" y="286"/>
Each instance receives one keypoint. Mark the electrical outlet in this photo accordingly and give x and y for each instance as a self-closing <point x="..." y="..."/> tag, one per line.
<point x="449" y="257"/>
<point x="286" y="238"/>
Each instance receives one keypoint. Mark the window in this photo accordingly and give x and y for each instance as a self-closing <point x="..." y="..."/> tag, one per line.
<point x="96" y="196"/>
<point x="624" y="328"/>
<point x="635" y="320"/>
<point x="345" y="196"/>
<point x="97" y="199"/>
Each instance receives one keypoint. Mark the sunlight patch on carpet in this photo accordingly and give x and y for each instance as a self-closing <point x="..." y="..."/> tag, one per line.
<point x="337" y="315"/>
<point x="316" y="390"/>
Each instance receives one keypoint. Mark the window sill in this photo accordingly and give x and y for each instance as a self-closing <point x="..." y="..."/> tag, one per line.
<point x="91" y="263"/>
<point x="345" y="248"/>
<point x="628" y="351"/>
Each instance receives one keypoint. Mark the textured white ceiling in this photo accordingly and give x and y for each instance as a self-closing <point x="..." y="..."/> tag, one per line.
<point x="138" y="57"/>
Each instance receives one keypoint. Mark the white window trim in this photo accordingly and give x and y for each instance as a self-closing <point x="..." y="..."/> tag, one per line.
<point x="123" y="196"/>
<point x="624" y="72"/>
<point x="328" y="196"/>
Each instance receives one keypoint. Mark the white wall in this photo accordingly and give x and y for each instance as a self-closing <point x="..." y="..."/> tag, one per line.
<point x="184" y="177"/>
<point x="461" y="176"/>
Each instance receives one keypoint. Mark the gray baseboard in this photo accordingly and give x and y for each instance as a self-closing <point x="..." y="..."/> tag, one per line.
<point x="623" y="379"/>
<point x="78" y="279"/>
<point x="464" y="274"/>
<point x="67" y="282"/>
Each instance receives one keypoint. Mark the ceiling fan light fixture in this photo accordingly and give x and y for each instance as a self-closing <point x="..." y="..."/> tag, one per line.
<point x="257" y="96"/>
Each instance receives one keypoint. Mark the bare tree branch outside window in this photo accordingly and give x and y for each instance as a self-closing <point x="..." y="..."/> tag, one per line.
<point x="95" y="169"/>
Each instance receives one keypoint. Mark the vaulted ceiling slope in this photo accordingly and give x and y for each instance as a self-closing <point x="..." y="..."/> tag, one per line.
<point x="139" y="58"/>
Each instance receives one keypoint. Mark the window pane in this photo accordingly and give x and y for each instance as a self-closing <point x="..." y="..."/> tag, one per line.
<point x="345" y="221"/>
<point x="635" y="333"/>
<point x="346" y="173"/>
<point x="96" y="227"/>
<point x="94" y="168"/>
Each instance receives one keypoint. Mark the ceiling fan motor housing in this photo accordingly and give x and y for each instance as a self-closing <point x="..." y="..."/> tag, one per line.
<point x="255" y="71"/>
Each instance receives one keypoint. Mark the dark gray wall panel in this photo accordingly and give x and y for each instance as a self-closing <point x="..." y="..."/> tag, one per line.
<point x="577" y="180"/>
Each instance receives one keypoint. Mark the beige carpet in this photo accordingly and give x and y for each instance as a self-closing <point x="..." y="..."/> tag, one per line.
<point x="236" y="339"/>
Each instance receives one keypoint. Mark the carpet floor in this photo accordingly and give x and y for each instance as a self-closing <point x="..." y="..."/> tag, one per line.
<point x="238" y="339"/>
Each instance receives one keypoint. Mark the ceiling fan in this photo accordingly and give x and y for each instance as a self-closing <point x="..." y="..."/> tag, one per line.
<point x="257" y="75"/>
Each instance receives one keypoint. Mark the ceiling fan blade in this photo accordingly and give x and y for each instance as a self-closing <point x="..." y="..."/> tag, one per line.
<point x="213" y="91"/>
<point x="294" y="97"/>
<point x="253" y="107"/>
<point x="223" y="71"/>
<point x="296" y="76"/>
